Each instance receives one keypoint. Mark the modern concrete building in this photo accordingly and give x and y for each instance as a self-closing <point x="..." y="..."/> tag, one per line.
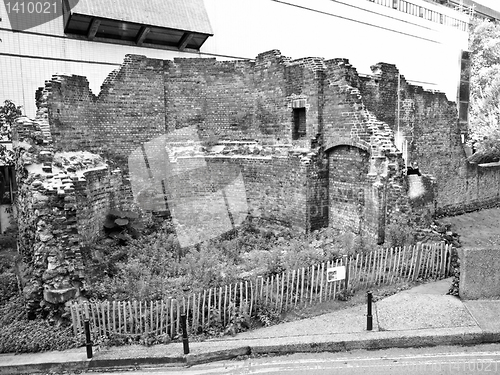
<point x="90" y="38"/>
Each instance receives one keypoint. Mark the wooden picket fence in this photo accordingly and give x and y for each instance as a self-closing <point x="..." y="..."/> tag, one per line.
<point x="290" y="289"/>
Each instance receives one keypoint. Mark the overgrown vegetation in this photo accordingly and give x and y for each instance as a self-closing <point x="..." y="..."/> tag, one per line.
<point x="8" y="114"/>
<point x="154" y="266"/>
<point x="399" y="234"/>
<point x="484" y="44"/>
<point x="8" y="281"/>
<point x="20" y="335"/>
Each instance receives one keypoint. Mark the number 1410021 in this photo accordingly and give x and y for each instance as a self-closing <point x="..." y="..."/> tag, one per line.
<point x="31" y="7"/>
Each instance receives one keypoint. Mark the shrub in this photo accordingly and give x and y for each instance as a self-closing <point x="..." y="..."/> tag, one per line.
<point x="8" y="113"/>
<point x="12" y="310"/>
<point x="208" y="267"/>
<point x="8" y="286"/>
<point x="399" y="234"/>
<point x="117" y="339"/>
<point x="8" y="239"/>
<point x="29" y="336"/>
<point x="268" y="315"/>
<point x="239" y="321"/>
<point x="20" y="335"/>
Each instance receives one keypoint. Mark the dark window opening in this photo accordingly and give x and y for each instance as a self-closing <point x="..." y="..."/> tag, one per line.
<point x="299" y="123"/>
<point x="412" y="170"/>
<point x="464" y="91"/>
<point x="463" y="112"/>
<point x="7" y="185"/>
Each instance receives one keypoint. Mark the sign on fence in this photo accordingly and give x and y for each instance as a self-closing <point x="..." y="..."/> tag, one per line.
<point x="335" y="274"/>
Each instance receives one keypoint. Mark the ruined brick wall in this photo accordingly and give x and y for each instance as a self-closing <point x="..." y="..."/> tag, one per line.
<point x="97" y="192"/>
<point x="304" y="89"/>
<point x="147" y="100"/>
<point x="71" y="112"/>
<point x="275" y="187"/>
<point x="217" y="97"/>
<point x="348" y="184"/>
<point x="428" y="123"/>
<point x="133" y="95"/>
<point x="242" y="100"/>
<point x="367" y="188"/>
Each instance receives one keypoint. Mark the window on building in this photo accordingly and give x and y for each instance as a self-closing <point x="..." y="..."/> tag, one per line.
<point x="299" y="123"/>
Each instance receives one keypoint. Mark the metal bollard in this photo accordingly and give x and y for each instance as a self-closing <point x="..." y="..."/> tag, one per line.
<point x="185" y="340"/>
<point x="369" y="317"/>
<point x="88" y="342"/>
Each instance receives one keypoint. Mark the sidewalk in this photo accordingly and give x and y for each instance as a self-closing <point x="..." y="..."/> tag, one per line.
<point x="422" y="316"/>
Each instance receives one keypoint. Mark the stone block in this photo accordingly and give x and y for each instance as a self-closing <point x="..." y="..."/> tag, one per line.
<point x="480" y="273"/>
<point x="56" y="296"/>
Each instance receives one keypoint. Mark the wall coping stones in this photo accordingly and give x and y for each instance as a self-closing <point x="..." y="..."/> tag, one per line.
<point x="479" y="276"/>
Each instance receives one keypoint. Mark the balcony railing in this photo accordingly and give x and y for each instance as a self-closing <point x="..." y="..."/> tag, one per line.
<point x="426" y="13"/>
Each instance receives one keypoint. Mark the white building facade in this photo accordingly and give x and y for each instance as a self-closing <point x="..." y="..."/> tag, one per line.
<point x="424" y="39"/>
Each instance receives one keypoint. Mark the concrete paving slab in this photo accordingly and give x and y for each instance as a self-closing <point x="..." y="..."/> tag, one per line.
<point x="409" y="311"/>
<point x="72" y="355"/>
<point x="47" y="362"/>
<point x="486" y="313"/>
<point x="350" y="320"/>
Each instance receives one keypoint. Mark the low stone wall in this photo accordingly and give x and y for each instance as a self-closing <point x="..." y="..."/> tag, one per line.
<point x="477" y="187"/>
<point x="479" y="273"/>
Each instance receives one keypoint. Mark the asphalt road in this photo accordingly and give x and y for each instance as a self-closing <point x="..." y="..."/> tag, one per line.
<point x="438" y="360"/>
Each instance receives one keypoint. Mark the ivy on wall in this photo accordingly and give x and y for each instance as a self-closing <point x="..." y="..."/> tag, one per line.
<point x="8" y="113"/>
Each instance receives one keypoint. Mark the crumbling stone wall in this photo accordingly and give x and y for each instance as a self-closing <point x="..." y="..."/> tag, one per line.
<point x="48" y="234"/>
<point x="61" y="208"/>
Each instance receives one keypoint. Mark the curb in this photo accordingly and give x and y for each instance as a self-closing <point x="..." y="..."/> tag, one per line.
<point x="220" y="355"/>
<point x="378" y="343"/>
<point x="136" y="362"/>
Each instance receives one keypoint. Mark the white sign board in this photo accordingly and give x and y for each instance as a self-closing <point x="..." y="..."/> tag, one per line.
<point x="335" y="274"/>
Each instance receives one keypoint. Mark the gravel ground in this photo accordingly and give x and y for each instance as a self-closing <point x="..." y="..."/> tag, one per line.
<point x="479" y="228"/>
<point x="405" y="311"/>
